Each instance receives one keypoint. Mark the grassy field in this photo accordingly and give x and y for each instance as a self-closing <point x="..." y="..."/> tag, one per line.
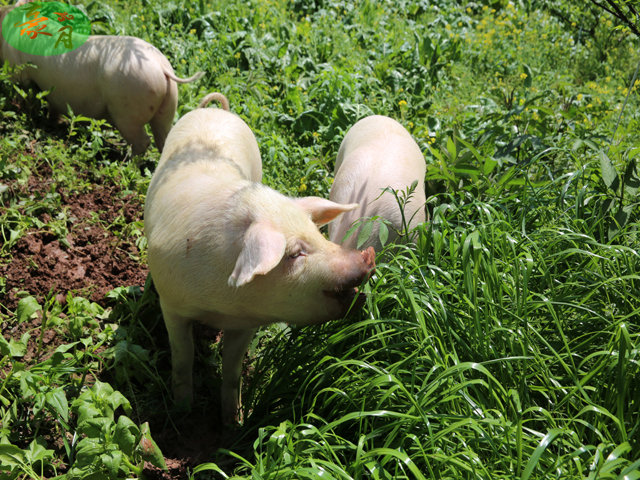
<point x="504" y="343"/>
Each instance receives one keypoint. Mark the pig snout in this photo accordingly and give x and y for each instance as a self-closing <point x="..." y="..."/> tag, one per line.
<point x="361" y="266"/>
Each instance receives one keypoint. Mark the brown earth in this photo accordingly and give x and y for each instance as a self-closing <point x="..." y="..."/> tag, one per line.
<point x="94" y="262"/>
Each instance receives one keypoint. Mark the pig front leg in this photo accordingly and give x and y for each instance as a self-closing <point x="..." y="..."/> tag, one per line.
<point x="236" y="343"/>
<point x="180" y="331"/>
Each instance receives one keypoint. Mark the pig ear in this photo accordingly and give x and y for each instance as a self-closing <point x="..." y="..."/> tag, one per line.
<point x="263" y="249"/>
<point x="321" y="210"/>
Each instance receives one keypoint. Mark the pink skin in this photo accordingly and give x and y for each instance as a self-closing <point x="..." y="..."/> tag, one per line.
<point x="377" y="152"/>
<point x="123" y="80"/>
<point x="230" y="252"/>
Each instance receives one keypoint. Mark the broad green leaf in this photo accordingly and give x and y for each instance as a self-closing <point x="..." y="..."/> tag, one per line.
<point x="451" y="148"/>
<point x="619" y="220"/>
<point x="38" y="452"/>
<point x="26" y="308"/>
<point x="383" y="234"/>
<point x="126" y="435"/>
<point x="116" y="399"/>
<point x="631" y="179"/>
<point x="149" y="450"/>
<point x="364" y="233"/>
<point x="609" y="173"/>
<point x="57" y="400"/>
<point x="529" y="75"/>
<point x="12" y="348"/>
<point x="112" y="460"/>
<point x="471" y="148"/>
<point x="86" y="411"/>
<point x="96" y="427"/>
<point x="489" y="165"/>
<point x="12" y="455"/>
<point x="465" y="168"/>
<point x="88" y="448"/>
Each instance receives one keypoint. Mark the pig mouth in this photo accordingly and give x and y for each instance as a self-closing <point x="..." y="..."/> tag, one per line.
<point x="346" y="295"/>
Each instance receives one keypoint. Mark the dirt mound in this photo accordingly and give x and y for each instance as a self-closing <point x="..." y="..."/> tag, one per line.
<point x="94" y="261"/>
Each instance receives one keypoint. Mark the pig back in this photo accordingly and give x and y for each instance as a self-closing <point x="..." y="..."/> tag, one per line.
<point x="376" y="129"/>
<point x="212" y="134"/>
<point x="377" y="158"/>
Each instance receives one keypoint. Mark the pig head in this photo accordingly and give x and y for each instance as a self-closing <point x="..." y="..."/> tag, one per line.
<point x="124" y="80"/>
<point x="377" y="152"/>
<point x="234" y="254"/>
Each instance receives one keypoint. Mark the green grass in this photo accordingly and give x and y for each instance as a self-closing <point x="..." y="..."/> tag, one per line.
<point x="504" y="343"/>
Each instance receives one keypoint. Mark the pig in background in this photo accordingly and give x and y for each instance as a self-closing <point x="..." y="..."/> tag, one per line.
<point x="123" y="80"/>
<point x="377" y="152"/>
<point x="230" y="252"/>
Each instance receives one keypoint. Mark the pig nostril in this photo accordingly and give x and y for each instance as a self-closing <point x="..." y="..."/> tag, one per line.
<point x="369" y="256"/>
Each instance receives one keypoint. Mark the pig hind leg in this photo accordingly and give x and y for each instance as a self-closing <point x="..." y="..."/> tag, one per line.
<point x="236" y="343"/>
<point x="163" y="119"/>
<point x="134" y="134"/>
<point x="180" y="331"/>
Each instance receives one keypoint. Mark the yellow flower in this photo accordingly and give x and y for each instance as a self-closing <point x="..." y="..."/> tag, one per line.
<point x="142" y="17"/>
<point x="183" y="61"/>
<point x="237" y="55"/>
<point x="302" y="188"/>
<point x="579" y="97"/>
<point x="201" y="51"/>
<point x="523" y="76"/>
<point x="402" y="102"/>
<point x="410" y="124"/>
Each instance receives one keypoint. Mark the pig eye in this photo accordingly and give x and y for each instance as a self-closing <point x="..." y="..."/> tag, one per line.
<point x="297" y="250"/>
<point x="297" y="253"/>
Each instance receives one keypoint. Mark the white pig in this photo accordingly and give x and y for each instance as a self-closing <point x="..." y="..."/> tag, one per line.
<point x="123" y="80"/>
<point x="230" y="252"/>
<point x="377" y="152"/>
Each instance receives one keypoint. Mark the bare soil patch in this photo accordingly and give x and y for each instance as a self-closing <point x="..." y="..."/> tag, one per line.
<point x="96" y="260"/>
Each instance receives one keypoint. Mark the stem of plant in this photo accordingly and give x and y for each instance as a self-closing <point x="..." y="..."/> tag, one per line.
<point x="132" y="467"/>
<point x="43" y="326"/>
